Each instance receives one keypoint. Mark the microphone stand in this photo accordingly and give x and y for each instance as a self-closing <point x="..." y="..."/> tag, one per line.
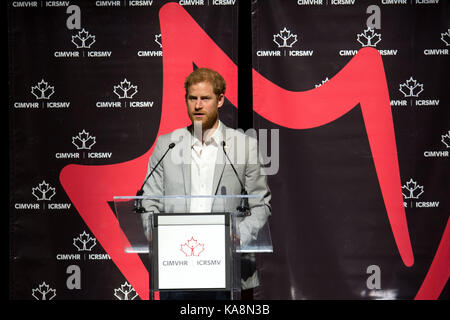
<point x="243" y="207"/>
<point x="138" y="208"/>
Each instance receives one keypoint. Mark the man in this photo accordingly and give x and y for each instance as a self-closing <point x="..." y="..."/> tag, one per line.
<point x="198" y="165"/>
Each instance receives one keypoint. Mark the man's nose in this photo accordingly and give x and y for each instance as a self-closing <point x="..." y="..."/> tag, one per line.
<point x="198" y="104"/>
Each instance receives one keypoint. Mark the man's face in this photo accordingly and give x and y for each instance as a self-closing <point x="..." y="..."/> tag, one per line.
<point x="203" y="105"/>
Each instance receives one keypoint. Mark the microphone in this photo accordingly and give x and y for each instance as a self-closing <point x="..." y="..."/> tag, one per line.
<point x="138" y="208"/>
<point x="243" y="206"/>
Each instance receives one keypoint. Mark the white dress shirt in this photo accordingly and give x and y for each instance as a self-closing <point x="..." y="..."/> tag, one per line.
<point x="203" y="165"/>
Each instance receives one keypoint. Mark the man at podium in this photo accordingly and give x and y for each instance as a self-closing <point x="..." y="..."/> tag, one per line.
<point x="209" y="158"/>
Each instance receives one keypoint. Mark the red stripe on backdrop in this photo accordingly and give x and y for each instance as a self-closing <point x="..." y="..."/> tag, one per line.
<point x="361" y="81"/>
<point x="439" y="272"/>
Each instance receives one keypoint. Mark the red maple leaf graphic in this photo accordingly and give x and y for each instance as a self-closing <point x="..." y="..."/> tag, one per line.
<point x="361" y="82"/>
<point x="192" y="248"/>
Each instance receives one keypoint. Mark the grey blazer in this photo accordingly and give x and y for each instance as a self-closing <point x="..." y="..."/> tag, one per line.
<point x="173" y="177"/>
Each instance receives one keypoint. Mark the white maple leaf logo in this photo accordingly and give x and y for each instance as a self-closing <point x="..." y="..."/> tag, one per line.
<point x="158" y="40"/>
<point x="83" y="39"/>
<point x="43" y="292"/>
<point x="42" y="90"/>
<point x="285" y="39"/>
<point x="446" y="139"/>
<point x="192" y="248"/>
<point x="411" y="88"/>
<point x="446" y="37"/>
<point x="84" y="242"/>
<point x="411" y="190"/>
<point x="43" y="191"/>
<point x="83" y="140"/>
<point x="125" y="90"/>
<point x="368" y="38"/>
<point x="125" y="292"/>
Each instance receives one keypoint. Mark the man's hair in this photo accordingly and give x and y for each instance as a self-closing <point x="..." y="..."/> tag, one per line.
<point x="209" y="75"/>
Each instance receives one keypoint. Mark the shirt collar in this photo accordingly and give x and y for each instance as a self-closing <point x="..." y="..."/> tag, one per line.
<point x="215" y="138"/>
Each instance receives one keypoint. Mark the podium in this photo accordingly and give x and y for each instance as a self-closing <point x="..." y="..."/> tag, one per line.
<point x="195" y="243"/>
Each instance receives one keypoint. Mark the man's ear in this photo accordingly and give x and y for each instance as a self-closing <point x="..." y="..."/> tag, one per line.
<point x="220" y="100"/>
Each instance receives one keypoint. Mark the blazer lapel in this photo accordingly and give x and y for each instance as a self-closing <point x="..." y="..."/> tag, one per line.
<point x="186" y="162"/>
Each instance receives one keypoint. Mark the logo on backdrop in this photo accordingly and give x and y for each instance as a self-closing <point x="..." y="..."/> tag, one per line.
<point x="368" y="38"/>
<point x="285" y="40"/>
<point x="125" y="292"/>
<point x="445" y="38"/>
<point x="125" y="89"/>
<point x="446" y="139"/>
<point x="445" y="144"/>
<point x="42" y="91"/>
<point x="43" y="292"/>
<point x="185" y="3"/>
<point x="84" y="142"/>
<point x="412" y="191"/>
<point x="83" y="40"/>
<point x="158" y="40"/>
<point x="43" y="193"/>
<point x="84" y="243"/>
<point x="152" y="53"/>
<point x="413" y="88"/>
<point x="192" y="248"/>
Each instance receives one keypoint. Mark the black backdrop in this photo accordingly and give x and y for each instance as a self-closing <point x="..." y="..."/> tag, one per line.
<point x="329" y="225"/>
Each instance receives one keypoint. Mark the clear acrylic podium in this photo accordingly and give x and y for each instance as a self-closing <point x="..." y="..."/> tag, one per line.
<point x="191" y="249"/>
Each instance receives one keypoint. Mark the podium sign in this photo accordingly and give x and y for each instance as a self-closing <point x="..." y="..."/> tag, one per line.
<point x="192" y="251"/>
